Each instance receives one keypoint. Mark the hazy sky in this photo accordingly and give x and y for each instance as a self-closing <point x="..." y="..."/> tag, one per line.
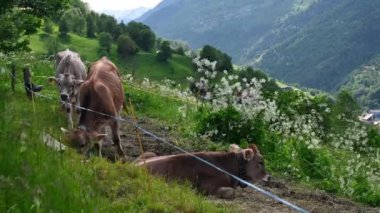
<point x="100" y="5"/>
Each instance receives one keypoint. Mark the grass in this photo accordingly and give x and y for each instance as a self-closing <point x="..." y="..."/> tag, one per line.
<point x="34" y="178"/>
<point x="143" y="65"/>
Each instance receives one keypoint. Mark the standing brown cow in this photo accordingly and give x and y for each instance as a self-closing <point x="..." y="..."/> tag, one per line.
<point x="101" y="92"/>
<point x="248" y="164"/>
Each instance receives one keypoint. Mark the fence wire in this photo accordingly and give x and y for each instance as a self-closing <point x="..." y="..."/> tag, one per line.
<point x="157" y="138"/>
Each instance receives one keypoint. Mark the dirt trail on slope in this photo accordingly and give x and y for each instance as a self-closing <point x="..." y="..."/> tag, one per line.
<point x="246" y="200"/>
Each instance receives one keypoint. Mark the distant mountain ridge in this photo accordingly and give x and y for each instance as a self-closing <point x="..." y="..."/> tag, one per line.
<point x="127" y="15"/>
<point x="316" y="43"/>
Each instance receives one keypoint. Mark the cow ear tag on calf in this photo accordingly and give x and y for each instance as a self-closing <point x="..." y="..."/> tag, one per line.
<point x="248" y="154"/>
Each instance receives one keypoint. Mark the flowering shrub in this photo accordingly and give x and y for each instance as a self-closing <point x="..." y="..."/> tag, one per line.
<point x="301" y="135"/>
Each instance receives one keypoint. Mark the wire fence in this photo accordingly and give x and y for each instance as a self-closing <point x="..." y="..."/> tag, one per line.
<point x="160" y="139"/>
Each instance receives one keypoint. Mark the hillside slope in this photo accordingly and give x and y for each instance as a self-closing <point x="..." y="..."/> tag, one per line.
<point x="143" y="65"/>
<point x="314" y="43"/>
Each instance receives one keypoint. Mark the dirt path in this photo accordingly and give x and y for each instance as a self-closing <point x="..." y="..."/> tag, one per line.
<point x="246" y="200"/>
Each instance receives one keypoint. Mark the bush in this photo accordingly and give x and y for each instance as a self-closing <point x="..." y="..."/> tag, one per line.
<point x="165" y="52"/>
<point x="48" y="26"/>
<point x="105" y="41"/>
<point x="228" y="126"/>
<point x="125" y="46"/>
<point x="53" y="46"/>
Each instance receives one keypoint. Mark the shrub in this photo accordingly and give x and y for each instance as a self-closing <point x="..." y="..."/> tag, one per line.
<point x="53" y="46"/>
<point x="105" y="41"/>
<point x="165" y="52"/>
<point x="125" y="46"/>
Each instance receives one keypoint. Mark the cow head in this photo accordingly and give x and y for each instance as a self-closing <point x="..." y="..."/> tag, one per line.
<point x="67" y="84"/>
<point x="255" y="168"/>
<point x="82" y="140"/>
<point x="60" y="55"/>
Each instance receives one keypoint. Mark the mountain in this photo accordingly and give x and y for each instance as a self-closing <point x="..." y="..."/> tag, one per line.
<point x="315" y="43"/>
<point x="126" y="15"/>
<point x="364" y="83"/>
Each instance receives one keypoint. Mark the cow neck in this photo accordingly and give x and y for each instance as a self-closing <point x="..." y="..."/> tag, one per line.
<point x="242" y="173"/>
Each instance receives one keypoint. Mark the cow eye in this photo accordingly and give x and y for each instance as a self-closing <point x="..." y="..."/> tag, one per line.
<point x="261" y="163"/>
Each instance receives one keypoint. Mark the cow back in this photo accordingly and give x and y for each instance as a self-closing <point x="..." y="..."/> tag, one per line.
<point x="70" y="63"/>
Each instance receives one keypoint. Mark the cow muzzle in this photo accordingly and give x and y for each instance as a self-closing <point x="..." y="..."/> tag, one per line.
<point x="267" y="178"/>
<point x="64" y="96"/>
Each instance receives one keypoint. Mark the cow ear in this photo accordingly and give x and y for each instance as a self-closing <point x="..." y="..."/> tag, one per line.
<point x="254" y="148"/>
<point x="234" y="148"/>
<point x="51" y="79"/>
<point x="99" y="137"/>
<point x="78" y="82"/>
<point x="248" y="154"/>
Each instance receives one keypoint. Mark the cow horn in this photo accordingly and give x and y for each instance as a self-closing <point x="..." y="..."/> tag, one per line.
<point x="64" y="130"/>
<point x="234" y="148"/>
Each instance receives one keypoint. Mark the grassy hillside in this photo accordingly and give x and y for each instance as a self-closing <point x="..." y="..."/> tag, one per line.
<point x="142" y="65"/>
<point x="36" y="178"/>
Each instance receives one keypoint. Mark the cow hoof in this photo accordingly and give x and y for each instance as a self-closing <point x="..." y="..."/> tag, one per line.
<point x="124" y="159"/>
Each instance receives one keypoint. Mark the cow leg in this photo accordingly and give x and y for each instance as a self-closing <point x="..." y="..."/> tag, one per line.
<point x="116" y="138"/>
<point x="214" y="185"/>
<point x="225" y="192"/>
<point x="70" y="118"/>
<point x="99" y="147"/>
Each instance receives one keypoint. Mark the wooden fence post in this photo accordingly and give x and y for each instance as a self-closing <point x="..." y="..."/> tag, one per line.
<point x="13" y="79"/>
<point x="27" y="82"/>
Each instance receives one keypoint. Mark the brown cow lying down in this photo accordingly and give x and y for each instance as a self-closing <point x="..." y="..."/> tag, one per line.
<point x="101" y="92"/>
<point x="248" y="164"/>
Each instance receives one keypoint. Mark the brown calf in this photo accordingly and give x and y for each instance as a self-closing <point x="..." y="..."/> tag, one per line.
<point x="248" y="164"/>
<point x="102" y="92"/>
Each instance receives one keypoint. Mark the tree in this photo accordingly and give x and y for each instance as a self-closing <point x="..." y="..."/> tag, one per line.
<point x="147" y="39"/>
<point x="141" y="34"/>
<point x="63" y="28"/>
<point x="165" y="52"/>
<point x="48" y="26"/>
<point x="22" y="18"/>
<point x="76" y="20"/>
<point x="105" y="41"/>
<point x="125" y="46"/>
<point x="52" y="46"/>
<point x="90" y="26"/>
<point x="213" y="54"/>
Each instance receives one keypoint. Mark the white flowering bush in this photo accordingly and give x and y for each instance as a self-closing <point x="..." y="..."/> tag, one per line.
<point x="300" y="134"/>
